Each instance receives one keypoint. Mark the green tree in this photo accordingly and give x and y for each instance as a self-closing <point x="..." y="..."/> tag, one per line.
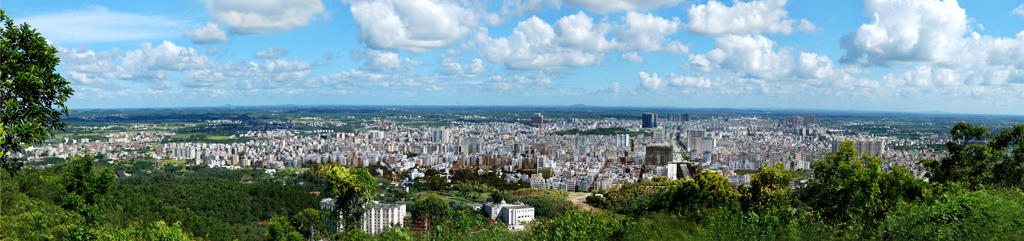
<point x="33" y="93"/>
<point x="586" y="225"/>
<point x="433" y="208"/>
<point x="279" y="228"/>
<point x="85" y="189"/>
<point x="706" y="190"/>
<point x="311" y="222"/>
<point x="970" y="160"/>
<point x="1010" y="171"/>
<point x="352" y="188"/>
<point x="848" y="187"/>
<point x="769" y="190"/>
<point x="964" y="215"/>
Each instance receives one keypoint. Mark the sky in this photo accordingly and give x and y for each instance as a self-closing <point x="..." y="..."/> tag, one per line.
<point x="880" y="55"/>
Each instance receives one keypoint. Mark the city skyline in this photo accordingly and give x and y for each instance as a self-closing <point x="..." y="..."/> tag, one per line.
<point x="875" y="55"/>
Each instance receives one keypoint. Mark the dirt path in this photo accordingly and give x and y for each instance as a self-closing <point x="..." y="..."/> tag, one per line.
<point x="579" y="199"/>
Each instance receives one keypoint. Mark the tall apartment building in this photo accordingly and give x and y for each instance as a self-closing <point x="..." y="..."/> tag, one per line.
<point x="871" y="147"/>
<point x="793" y="120"/>
<point x="580" y="144"/>
<point x="376" y="219"/>
<point x="809" y="120"/>
<point x="650" y="120"/>
<point x="440" y="136"/>
<point x="622" y="139"/>
<point x="537" y="119"/>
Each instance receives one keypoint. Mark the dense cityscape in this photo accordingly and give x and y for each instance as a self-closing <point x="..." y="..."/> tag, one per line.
<point x="576" y="162"/>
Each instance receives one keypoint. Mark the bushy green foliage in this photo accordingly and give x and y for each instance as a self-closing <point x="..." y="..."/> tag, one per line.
<point x="279" y="228"/>
<point x="32" y="93"/>
<point x="769" y="191"/>
<point x="707" y="190"/>
<point x="231" y="202"/>
<point x="847" y="187"/>
<point x="433" y="208"/>
<point x="973" y="161"/>
<point x="351" y="188"/>
<point x="632" y="198"/>
<point x="585" y="225"/>
<point x="965" y="215"/>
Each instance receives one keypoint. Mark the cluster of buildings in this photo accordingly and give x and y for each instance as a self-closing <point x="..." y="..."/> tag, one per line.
<point x="563" y="162"/>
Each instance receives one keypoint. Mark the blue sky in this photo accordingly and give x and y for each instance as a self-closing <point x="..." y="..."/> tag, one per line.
<point x="889" y="55"/>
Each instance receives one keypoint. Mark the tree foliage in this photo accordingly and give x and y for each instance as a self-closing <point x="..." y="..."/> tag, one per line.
<point x="433" y="208"/>
<point x="352" y="188"/>
<point x="971" y="160"/>
<point x="769" y="191"/>
<point x="585" y="225"/>
<point x="33" y="93"/>
<point x="707" y="190"/>
<point x="847" y="187"/>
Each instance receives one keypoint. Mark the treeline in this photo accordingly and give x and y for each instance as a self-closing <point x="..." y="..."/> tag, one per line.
<point x="76" y="200"/>
<point x="602" y="132"/>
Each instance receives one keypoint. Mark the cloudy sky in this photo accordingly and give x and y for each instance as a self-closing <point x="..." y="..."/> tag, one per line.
<point x="890" y="55"/>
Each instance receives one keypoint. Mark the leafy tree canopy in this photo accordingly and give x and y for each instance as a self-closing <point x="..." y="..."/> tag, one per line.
<point x="33" y="93"/>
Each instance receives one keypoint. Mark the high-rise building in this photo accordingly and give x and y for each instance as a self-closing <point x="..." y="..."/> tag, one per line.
<point x="580" y="143"/>
<point x="622" y="140"/>
<point x="809" y="120"/>
<point x="685" y="117"/>
<point x="440" y="136"/>
<point x="793" y="120"/>
<point x="650" y="120"/>
<point x="470" y="145"/>
<point x="376" y="219"/>
<point x="658" y="155"/>
<point x="537" y="119"/>
<point x="871" y="147"/>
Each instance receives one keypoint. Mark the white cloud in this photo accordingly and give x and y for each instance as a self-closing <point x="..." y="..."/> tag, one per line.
<point x="413" y="25"/>
<point x="909" y="31"/>
<point x="451" y="67"/>
<point x="96" y="24"/>
<point x="379" y="60"/>
<point x="633" y="57"/>
<point x="814" y="66"/>
<point x="207" y="35"/>
<point x="264" y="16"/>
<point x="646" y="32"/>
<point x="518" y="7"/>
<point x="754" y="17"/>
<point x="653" y="82"/>
<point x="606" y="6"/>
<point x="579" y="31"/>
<point x="157" y="66"/>
<point x="270" y="53"/>
<point x="1018" y="11"/>
<point x="926" y="75"/>
<point x="753" y="55"/>
<point x="935" y="39"/>
<point x="213" y="50"/>
<point x="148" y="64"/>
<point x="532" y="45"/>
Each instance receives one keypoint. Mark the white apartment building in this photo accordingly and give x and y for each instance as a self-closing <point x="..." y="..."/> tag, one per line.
<point x="376" y="219"/>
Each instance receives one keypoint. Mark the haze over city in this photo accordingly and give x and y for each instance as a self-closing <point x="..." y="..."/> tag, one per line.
<point x="906" y="56"/>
